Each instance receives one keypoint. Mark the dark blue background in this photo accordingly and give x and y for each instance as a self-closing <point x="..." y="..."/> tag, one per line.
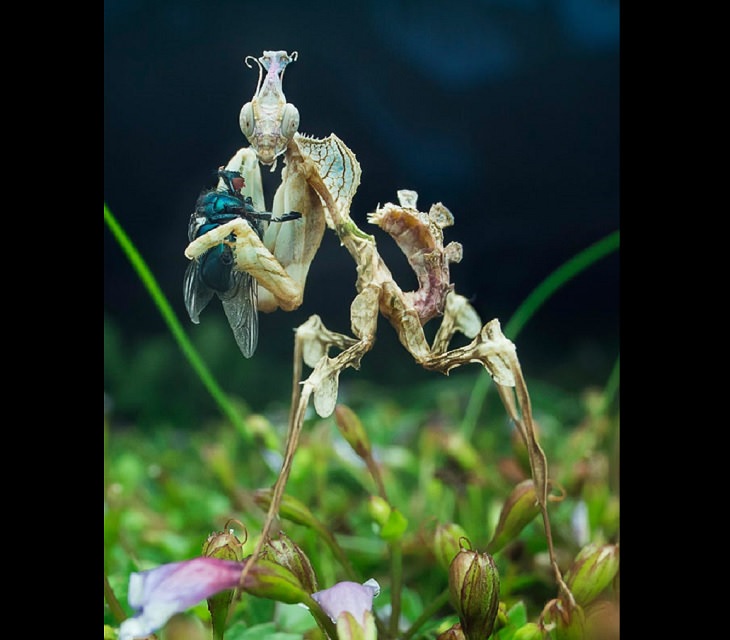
<point x="507" y="112"/>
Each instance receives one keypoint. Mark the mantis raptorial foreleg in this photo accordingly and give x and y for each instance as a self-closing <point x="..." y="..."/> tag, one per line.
<point x="280" y="261"/>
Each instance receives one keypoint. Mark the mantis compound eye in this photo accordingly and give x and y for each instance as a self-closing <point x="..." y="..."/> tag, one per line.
<point x="246" y="121"/>
<point x="289" y="121"/>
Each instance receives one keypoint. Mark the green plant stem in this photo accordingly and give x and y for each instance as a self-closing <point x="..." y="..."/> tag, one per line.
<point x="612" y="386"/>
<point x="563" y="274"/>
<point x="428" y="612"/>
<point x="168" y="315"/>
<point x="320" y="616"/>
<point x="396" y="579"/>
<point x="374" y="470"/>
<point x="609" y="393"/>
<point x="111" y="600"/>
<point x="338" y="552"/>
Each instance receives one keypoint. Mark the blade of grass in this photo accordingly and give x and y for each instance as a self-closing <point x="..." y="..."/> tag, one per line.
<point x="168" y="315"/>
<point x="611" y="389"/>
<point x="563" y="274"/>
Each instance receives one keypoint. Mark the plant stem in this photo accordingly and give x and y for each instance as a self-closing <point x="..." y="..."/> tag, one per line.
<point x="338" y="552"/>
<point x="428" y="611"/>
<point x="396" y="579"/>
<point x="168" y="315"/>
<point x="612" y="385"/>
<point x="563" y="274"/>
<point x="111" y="600"/>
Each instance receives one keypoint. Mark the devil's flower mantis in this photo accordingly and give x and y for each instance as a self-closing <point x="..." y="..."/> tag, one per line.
<point x="319" y="179"/>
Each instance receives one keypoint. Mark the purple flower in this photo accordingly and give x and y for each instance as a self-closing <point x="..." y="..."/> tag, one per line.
<point x="348" y="596"/>
<point x="159" y="593"/>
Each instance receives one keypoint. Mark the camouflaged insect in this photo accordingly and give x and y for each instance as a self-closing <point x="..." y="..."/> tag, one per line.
<point x="319" y="179"/>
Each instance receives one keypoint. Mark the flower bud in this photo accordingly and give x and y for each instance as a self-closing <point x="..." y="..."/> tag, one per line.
<point x="379" y="509"/>
<point x="286" y="553"/>
<point x="218" y="460"/>
<point x="348" y="628"/>
<point x="452" y="633"/>
<point x="474" y="589"/>
<point x="266" y="579"/>
<point x="224" y="546"/>
<point x="184" y="626"/>
<point x="290" y="508"/>
<point x="567" y="623"/>
<point x="602" y="620"/>
<point x="446" y="542"/>
<point x="462" y="451"/>
<point x="352" y="430"/>
<point x="518" y="511"/>
<point x="529" y="631"/>
<point x="501" y="620"/>
<point x="393" y="523"/>
<point x="592" y="571"/>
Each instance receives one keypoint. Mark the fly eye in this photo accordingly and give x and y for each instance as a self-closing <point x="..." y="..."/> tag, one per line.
<point x="289" y="121"/>
<point x="245" y="119"/>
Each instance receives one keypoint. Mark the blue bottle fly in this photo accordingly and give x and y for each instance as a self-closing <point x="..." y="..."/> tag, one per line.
<point x="214" y="272"/>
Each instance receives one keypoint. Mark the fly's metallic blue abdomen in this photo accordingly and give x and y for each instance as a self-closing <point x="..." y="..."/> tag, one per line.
<point x="214" y="272"/>
<point x="216" y="268"/>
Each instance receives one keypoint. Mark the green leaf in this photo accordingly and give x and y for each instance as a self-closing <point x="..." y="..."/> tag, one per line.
<point x="266" y="631"/>
<point x="395" y="526"/>
<point x="517" y="615"/>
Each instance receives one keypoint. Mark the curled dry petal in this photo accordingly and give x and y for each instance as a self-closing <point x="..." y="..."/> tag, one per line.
<point x="316" y="340"/>
<point x="420" y="238"/>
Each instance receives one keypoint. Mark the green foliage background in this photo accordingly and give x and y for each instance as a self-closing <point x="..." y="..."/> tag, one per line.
<point x="183" y="456"/>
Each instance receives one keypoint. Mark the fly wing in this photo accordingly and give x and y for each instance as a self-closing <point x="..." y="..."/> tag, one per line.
<point x="196" y="293"/>
<point x="241" y="306"/>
